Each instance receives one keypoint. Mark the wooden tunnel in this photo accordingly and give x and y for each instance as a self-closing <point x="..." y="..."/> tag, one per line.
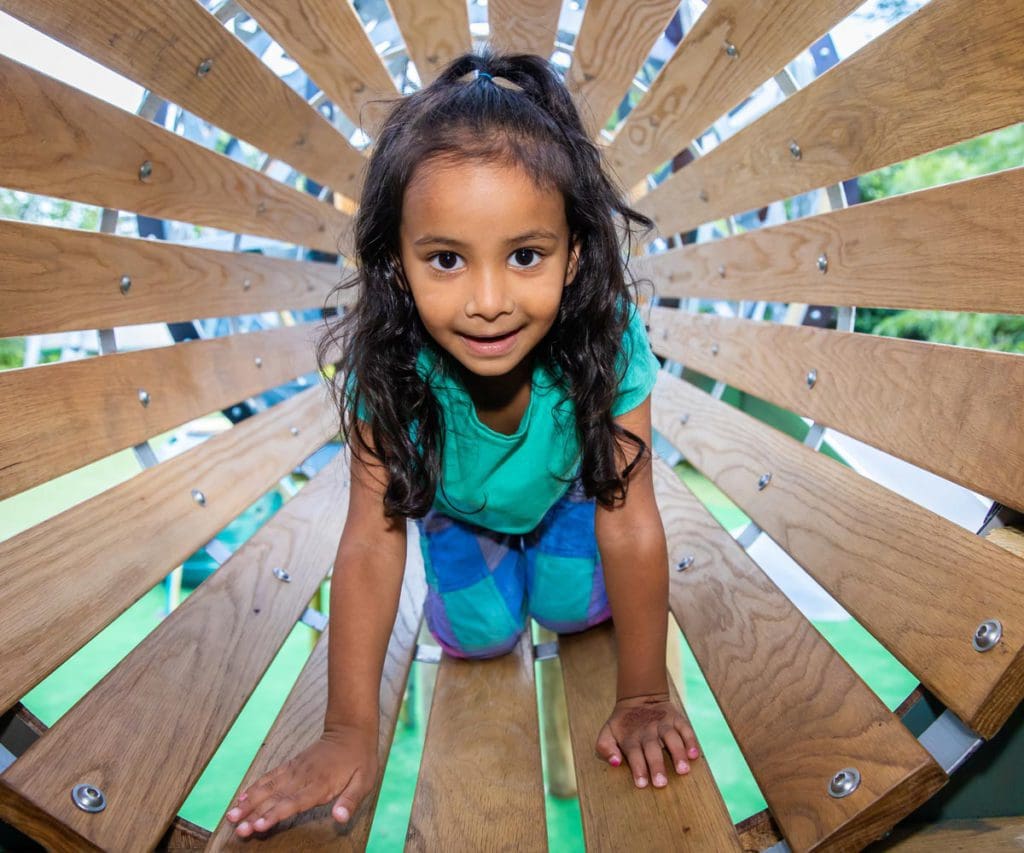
<point x="838" y="769"/>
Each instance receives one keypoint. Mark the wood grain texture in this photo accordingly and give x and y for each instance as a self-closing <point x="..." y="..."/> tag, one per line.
<point x="951" y="248"/>
<point x="955" y="411"/>
<point x="326" y="37"/>
<point x="97" y="399"/>
<point x="480" y="784"/>
<point x="971" y="835"/>
<point x="814" y="717"/>
<point x="435" y="33"/>
<point x="689" y="814"/>
<point x="61" y="142"/>
<point x="302" y="720"/>
<point x="700" y="82"/>
<point x="160" y="44"/>
<point x="949" y="72"/>
<point x="868" y="547"/>
<point x="614" y="41"/>
<point x="524" y="26"/>
<point x="60" y="279"/>
<point x="132" y="735"/>
<point x="120" y="543"/>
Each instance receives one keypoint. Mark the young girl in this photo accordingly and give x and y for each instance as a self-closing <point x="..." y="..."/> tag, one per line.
<point x="497" y="390"/>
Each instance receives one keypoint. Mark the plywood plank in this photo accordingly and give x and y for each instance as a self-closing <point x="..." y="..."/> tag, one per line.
<point x="122" y="542"/>
<point x="435" y="33"/>
<point x="868" y="547"/>
<point x="61" y="279"/>
<point x="98" y="398"/>
<point x="160" y="45"/>
<point x="955" y="411"/>
<point x="613" y="43"/>
<point x="688" y="814"/>
<point x="815" y="716"/>
<point x="949" y="72"/>
<point x="302" y="720"/>
<point x="702" y="81"/>
<point x="480" y="784"/>
<point x="61" y="142"/>
<point x="326" y="38"/>
<point x="524" y="26"/>
<point x="955" y="247"/>
<point x="132" y="735"/>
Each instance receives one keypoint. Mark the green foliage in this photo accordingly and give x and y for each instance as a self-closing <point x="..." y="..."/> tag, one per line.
<point x="12" y="352"/>
<point x="26" y="207"/>
<point x="1004" y="332"/>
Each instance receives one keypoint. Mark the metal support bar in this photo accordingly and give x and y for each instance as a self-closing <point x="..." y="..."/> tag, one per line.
<point x="950" y="741"/>
<point x="314" y="619"/>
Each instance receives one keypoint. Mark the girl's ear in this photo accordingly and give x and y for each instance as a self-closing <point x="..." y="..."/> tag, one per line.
<point x="574" y="263"/>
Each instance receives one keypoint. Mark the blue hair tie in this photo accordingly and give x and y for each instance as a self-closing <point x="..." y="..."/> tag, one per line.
<point x="480" y="74"/>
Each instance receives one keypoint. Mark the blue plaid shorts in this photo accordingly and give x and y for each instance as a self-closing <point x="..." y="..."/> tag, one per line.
<point x="482" y="585"/>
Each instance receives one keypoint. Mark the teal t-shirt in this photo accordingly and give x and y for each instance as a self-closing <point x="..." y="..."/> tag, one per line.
<point x="517" y="474"/>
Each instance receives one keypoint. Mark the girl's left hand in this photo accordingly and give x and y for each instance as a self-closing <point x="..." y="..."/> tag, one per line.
<point x="638" y="727"/>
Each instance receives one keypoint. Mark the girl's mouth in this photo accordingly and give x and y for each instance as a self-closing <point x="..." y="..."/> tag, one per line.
<point x="497" y="345"/>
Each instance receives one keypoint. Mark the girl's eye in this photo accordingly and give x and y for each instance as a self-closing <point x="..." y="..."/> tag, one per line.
<point x="523" y="256"/>
<point x="447" y="260"/>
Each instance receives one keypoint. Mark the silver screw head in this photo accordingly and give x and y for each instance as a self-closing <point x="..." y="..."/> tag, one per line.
<point x="731" y="49"/>
<point x="199" y="497"/>
<point x="714" y="349"/>
<point x="844" y="783"/>
<point x="987" y="635"/>
<point x="126" y="283"/>
<point x="258" y="361"/>
<point x="282" y="575"/>
<point x="145" y="170"/>
<point x="247" y="284"/>
<point x="88" y="798"/>
<point x="684" y="563"/>
<point x="204" y="67"/>
<point x="763" y="481"/>
<point x="794" y="149"/>
<point x="703" y="195"/>
<point x="684" y="419"/>
<point x="823" y="262"/>
<point x="721" y="270"/>
<point x="812" y="377"/>
<point x="144" y="396"/>
<point x="294" y="430"/>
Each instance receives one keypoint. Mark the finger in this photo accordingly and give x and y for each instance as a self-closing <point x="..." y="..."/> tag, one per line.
<point x="252" y="798"/>
<point x="274" y="810"/>
<point x="347" y="803"/>
<point x="608" y="748"/>
<point x="676" y="748"/>
<point x="637" y="764"/>
<point x="655" y="760"/>
<point x="689" y="738"/>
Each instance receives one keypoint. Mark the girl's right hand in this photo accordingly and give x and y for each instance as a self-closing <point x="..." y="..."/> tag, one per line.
<point x="342" y="763"/>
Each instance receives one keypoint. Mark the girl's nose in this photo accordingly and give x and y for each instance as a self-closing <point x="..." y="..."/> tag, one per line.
<point x="489" y="298"/>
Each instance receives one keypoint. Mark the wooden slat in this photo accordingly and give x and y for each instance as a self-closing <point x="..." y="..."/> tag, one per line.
<point x="480" y="784"/>
<point x="614" y="41"/>
<point x="949" y="72"/>
<point x="955" y="411"/>
<point x="160" y="44"/>
<point x="435" y="33"/>
<point x="301" y="721"/>
<point x="117" y="545"/>
<point x="61" y="142"/>
<point x="952" y="248"/>
<point x="327" y="39"/>
<point x="524" y="26"/>
<point x="868" y="547"/>
<point x="701" y="81"/>
<point x="963" y="835"/>
<point x="687" y="815"/>
<point x="60" y="279"/>
<point x="96" y="400"/>
<point x="132" y="735"/>
<point x="817" y="718"/>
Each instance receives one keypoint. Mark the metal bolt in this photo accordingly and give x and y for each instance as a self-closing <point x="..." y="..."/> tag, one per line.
<point x="247" y="284"/>
<point x="730" y="49"/>
<point x="823" y="262"/>
<point x="764" y="480"/>
<point x="258" y="361"/>
<point x="721" y="270"/>
<point x="203" y="68"/>
<point x="684" y="419"/>
<point x="703" y="195"/>
<point x="812" y="377"/>
<point x="145" y="170"/>
<point x="281" y="574"/>
<point x="126" y="283"/>
<point x="294" y="430"/>
<point x="844" y="783"/>
<point x="714" y="349"/>
<point x="144" y="397"/>
<point x="199" y="497"/>
<point x="684" y="563"/>
<point x="987" y="635"/>
<point x="794" y="149"/>
<point x="88" y="798"/>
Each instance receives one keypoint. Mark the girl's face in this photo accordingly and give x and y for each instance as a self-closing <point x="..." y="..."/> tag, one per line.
<point x="486" y="254"/>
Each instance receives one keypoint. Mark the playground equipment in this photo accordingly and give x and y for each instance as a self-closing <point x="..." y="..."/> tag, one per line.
<point x="838" y="769"/>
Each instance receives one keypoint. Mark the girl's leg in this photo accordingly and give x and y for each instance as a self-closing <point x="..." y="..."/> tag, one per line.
<point x="476" y="586"/>
<point x="564" y="578"/>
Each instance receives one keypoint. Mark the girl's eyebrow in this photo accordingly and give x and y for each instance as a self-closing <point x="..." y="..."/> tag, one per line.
<point x="537" y="234"/>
